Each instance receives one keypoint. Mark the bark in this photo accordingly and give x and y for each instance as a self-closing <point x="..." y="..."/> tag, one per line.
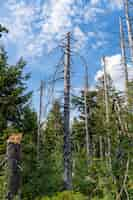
<point x="107" y="110"/>
<point x="123" y="53"/>
<point x="14" y="175"/>
<point x="129" y="27"/>
<point x="67" y="133"/>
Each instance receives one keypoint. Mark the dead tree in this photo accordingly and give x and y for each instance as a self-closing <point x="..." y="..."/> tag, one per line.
<point x="123" y="53"/>
<point x="87" y="117"/>
<point x="107" y="108"/>
<point x="129" y="27"/>
<point x="101" y="146"/>
<point x="39" y="119"/>
<point x="67" y="133"/>
<point x="14" y="169"/>
<point x="120" y="121"/>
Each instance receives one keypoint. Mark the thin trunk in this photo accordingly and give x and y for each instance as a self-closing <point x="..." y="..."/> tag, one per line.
<point x="120" y="120"/>
<point x="124" y="187"/>
<point x="107" y="109"/>
<point x="87" y="117"/>
<point x="94" y="146"/>
<point x="39" y="119"/>
<point x="124" y="64"/>
<point x="67" y="133"/>
<point x="106" y="90"/>
<point x="129" y="27"/>
<point x="101" y="146"/>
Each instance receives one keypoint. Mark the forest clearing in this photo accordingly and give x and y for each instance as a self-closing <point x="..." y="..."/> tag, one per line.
<point x="66" y="100"/>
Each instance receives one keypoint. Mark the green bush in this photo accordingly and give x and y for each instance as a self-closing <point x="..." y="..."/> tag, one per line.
<point x="66" y="196"/>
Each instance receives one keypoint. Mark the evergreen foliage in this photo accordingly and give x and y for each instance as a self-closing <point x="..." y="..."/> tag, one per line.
<point x="2" y="30"/>
<point x="107" y="177"/>
<point x="66" y="195"/>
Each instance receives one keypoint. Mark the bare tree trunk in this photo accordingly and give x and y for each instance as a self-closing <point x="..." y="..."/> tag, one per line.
<point x="67" y="133"/>
<point x="124" y="64"/>
<point x="107" y="109"/>
<point x="129" y="27"/>
<point x="106" y="90"/>
<point x="87" y="117"/>
<point x="117" y="108"/>
<point x="39" y="119"/>
<point x="101" y="146"/>
<point x="124" y="187"/>
<point x="14" y="174"/>
<point x="94" y="145"/>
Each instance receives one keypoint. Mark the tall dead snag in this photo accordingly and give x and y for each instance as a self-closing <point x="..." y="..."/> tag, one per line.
<point x="87" y="117"/>
<point x="101" y="146"/>
<point x="39" y="119"/>
<point x="129" y="27"/>
<point x="123" y="53"/>
<point x="106" y="90"/>
<point x="120" y="120"/>
<point x="107" y="108"/>
<point x="67" y="134"/>
<point x="14" y="159"/>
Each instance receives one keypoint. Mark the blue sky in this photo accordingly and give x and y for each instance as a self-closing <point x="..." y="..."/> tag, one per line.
<point x="36" y="27"/>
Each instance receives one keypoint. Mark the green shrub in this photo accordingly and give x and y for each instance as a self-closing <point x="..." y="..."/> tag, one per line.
<point x="67" y="196"/>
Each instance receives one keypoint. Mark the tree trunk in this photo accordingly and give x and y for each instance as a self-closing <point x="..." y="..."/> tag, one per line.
<point x="124" y="64"/>
<point x="107" y="110"/>
<point x="67" y="133"/>
<point x="89" y="150"/>
<point x="129" y="27"/>
<point x="14" y="174"/>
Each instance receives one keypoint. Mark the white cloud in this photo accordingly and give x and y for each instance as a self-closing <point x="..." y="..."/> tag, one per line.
<point x="115" y="4"/>
<point x="19" y="19"/>
<point x="94" y="2"/>
<point x="78" y="33"/>
<point x="111" y="4"/>
<point x="38" y="26"/>
<point x="116" y="71"/>
<point x="57" y="16"/>
<point x="98" y="75"/>
<point x="34" y="27"/>
<point x="92" y="13"/>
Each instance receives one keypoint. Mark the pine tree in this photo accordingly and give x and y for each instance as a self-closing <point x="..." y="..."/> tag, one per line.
<point x="15" y="112"/>
<point x="13" y="95"/>
<point x="2" y="30"/>
<point x="49" y="174"/>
